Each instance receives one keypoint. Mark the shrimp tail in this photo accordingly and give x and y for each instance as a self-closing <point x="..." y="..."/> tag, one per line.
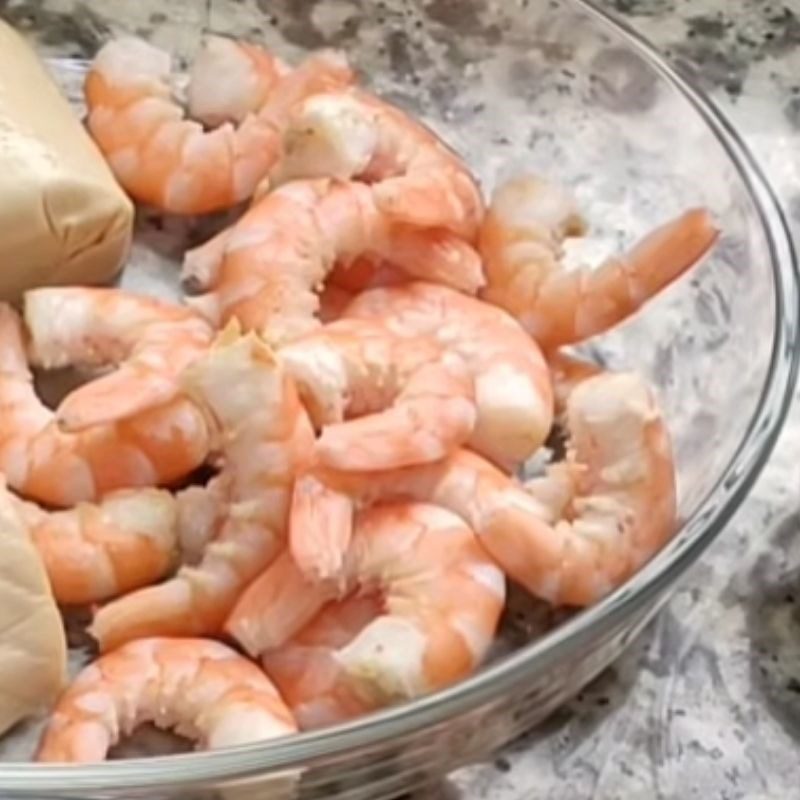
<point x="173" y="608"/>
<point x="319" y="545"/>
<point x="201" y="264"/>
<point x="452" y="201"/>
<point x="293" y="601"/>
<point x="121" y="394"/>
<point x="438" y="256"/>
<point x="575" y="305"/>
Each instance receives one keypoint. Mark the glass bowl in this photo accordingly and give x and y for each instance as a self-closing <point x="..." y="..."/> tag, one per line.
<point x="561" y="88"/>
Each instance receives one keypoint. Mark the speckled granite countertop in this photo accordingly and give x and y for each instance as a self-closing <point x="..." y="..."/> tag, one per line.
<point x="707" y="703"/>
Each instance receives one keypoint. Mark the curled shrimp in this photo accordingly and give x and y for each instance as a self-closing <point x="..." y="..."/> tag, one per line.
<point x="202" y="689"/>
<point x="266" y="271"/>
<point x="266" y="438"/>
<point x="521" y="245"/>
<point x="43" y="463"/>
<point x="149" y="341"/>
<point x="417" y="178"/>
<point x="513" y="392"/>
<point x="162" y="158"/>
<point x="442" y="595"/>
<point x="569" y="537"/>
<point x="97" y="551"/>
<point x="306" y="668"/>
<point x="408" y="399"/>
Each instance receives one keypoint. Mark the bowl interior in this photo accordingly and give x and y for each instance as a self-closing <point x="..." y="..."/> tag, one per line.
<point x="550" y="88"/>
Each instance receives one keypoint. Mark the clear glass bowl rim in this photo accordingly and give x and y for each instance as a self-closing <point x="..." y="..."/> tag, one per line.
<point x="560" y="645"/>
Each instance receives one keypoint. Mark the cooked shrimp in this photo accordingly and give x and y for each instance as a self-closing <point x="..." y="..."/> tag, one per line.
<point x="569" y="537"/>
<point x="149" y="341"/>
<point x="266" y="438"/>
<point x="230" y="79"/>
<point x="202" y="689"/>
<point x="442" y="593"/>
<point x="408" y="400"/>
<point x="156" y="447"/>
<point x="521" y="244"/>
<point x="94" y="552"/>
<point x="308" y="673"/>
<point x="434" y="255"/>
<point x="272" y="264"/>
<point x="417" y="178"/>
<point x="162" y="158"/>
<point x="513" y="394"/>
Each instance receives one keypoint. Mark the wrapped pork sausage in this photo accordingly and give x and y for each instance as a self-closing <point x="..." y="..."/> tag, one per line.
<point x="33" y="648"/>
<point x="63" y="217"/>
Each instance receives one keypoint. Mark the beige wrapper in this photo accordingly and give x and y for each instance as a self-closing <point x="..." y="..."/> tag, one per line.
<point x="33" y="648"/>
<point x="63" y="217"/>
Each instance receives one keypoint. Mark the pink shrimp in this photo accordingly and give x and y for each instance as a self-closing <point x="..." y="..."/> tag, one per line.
<point x="267" y="270"/>
<point x="308" y="673"/>
<point x="251" y="75"/>
<point x="156" y="447"/>
<point x="417" y="178"/>
<point x="513" y="393"/>
<point x="162" y="158"/>
<point x="97" y="551"/>
<point x="149" y="341"/>
<point x="569" y="537"/>
<point x="521" y="242"/>
<point x="202" y="689"/>
<point x="443" y="596"/>
<point x="408" y="400"/>
<point x="266" y="438"/>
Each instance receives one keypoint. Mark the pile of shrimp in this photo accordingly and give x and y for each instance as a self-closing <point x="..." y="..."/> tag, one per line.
<point x="364" y="361"/>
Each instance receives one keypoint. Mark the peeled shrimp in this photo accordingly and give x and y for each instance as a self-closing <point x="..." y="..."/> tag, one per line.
<point x="150" y="341"/>
<point x="43" y="463"/>
<point x="307" y="671"/>
<point x="202" y="689"/>
<point x="513" y="394"/>
<point x="266" y="438"/>
<point x="94" y="552"/>
<point x="230" y="79"/>
<point x="267" y="270"/>
<point x="162" y="158"/>
<point x="412" y="400"/>
<point x="442" y="594"/>
<point x="521" y="244"/>
<point x="417" y="178"/>
<point x="569" y="537"/>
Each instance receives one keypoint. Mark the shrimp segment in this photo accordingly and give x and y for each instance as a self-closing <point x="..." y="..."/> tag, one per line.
<point x="443" y="596"/>
<point x="252" y="74"/>
<point x="43" y="463"/>
<point x="266" y="438"/>
<point x="569" y="537"/>
<point x="162" y="158"/>
<point x="513" y="393"/>
<point x="307" y="671"/>
<point x="150" y="340"/>
<point x="94" y="552"/>
<point x="416" y="396"/>
<point x="418" y="179"/>
<point x="521" y="244"/>
<point x="202" y="689"/>
<point x="279" y="253"/>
